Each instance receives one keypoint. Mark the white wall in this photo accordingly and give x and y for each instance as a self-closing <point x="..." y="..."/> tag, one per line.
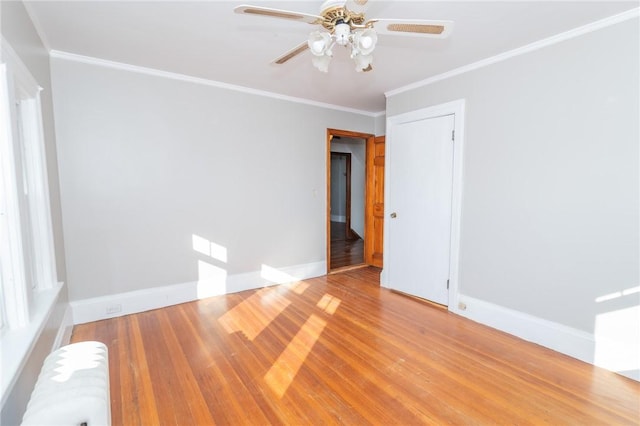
<point x="550" y="219"/>
<point x="381" y="125"/>
<point x="357" y="149"/>
<point x="338" y="188"/>
<point x="18" y="30"/>
<point x="148" y="162"/>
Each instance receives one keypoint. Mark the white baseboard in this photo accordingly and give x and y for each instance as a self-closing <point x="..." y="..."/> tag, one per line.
<point x="104" y="307"/>
<point x="384" y="279"/>
<point x="570" y="341"/>
<point x="63" y="337"/>
<point x="337" y="218"/>
<point x="561" y="338"/>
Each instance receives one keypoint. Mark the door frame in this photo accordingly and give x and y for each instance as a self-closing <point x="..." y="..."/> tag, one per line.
<point x="457" y="109"/>
<point x="330" y="135"/>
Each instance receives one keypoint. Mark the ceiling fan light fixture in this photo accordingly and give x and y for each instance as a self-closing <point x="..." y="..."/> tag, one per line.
<point x="321" y="62"/>
<point x="362" y="43"/>
<point x="342" y="34"/>
<point x="365" y="41"/>
<point x="344" y="23"/>
<point x="363" y="62"/>
<point x="319" y="43"/>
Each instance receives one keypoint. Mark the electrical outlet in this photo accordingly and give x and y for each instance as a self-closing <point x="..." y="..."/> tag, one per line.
<point x="114" y="309"/>
<point x="462" y="306"/>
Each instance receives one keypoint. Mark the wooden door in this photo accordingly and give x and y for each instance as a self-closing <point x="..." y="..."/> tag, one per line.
<point x="374" y="217"/>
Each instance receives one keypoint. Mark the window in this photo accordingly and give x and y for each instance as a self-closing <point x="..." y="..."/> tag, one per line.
<point x="27" y="261"/>
<point x="28" y="287"/>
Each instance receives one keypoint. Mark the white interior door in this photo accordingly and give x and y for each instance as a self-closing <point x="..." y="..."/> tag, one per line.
<point x="420" y="190"/>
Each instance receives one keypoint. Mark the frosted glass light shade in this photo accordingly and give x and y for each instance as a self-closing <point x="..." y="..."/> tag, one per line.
<point x="321" y="62"/>
<point x="319" y="43"/>
<point x="360" y="41"/>
<point x="362" y="62"/>
<point x="365" y="41"/>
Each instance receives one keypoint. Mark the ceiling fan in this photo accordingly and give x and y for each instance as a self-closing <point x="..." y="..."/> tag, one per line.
<point x="344" y="26"/>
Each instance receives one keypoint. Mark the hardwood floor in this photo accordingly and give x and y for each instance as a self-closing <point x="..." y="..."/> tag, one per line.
<point x="344" y="251"/>
<point x="341" y="350"/>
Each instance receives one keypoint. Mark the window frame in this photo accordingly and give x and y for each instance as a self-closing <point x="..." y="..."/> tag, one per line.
<point x="28" y="278"/>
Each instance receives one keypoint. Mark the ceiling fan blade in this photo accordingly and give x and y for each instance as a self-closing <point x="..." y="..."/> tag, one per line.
<point x="291" y="53"/>
<point x="413" y="27"/>
<point x="278" y="13"/>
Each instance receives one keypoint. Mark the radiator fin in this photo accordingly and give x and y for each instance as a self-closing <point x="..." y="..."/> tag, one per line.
<point x="73" y="388"/>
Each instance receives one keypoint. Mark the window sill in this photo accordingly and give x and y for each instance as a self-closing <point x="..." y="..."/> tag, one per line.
<point x="16" y="344"/>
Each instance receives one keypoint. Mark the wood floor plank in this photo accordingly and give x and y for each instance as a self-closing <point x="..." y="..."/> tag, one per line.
<point x="187" y="386"/>
<point x="147" y="411"/>
<point x="344" y="251"/>
<point x="341" y="350"/>
<point x="173" y="407"/>
<point x="220" y="399"/>
<point x="127" y="375"/>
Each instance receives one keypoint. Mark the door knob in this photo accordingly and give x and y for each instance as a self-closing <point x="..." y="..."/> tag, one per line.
<point x="393" y="215"/>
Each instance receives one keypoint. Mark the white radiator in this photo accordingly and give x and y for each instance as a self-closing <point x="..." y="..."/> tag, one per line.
<point x="73" y="388"/>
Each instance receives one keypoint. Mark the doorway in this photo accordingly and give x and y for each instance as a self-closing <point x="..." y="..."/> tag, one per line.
<point x="346" y="199"/>
<point x="347" y="244"/>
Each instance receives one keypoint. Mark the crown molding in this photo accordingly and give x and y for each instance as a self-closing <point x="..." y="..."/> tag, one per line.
<point x="202" y="81"/>
<point x="567" y="35"/>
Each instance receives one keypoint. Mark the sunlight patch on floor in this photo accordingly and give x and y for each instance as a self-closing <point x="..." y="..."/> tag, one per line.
<point x="298" y="287"/>
<point x="328" y="303"/>
<point x="284" y="370"/>
<point x="255" y="313"/>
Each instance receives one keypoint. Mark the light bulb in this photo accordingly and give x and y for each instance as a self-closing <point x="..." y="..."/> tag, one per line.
<point x="365" y="41"/>
<point x="318" y="42"/>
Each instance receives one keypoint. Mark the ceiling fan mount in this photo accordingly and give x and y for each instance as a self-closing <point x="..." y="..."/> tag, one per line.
<point x="341" y="15"/>
<point x="347" y="28"/>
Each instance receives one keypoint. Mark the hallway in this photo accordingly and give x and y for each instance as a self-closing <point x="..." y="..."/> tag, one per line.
<point x="345" y="252"/>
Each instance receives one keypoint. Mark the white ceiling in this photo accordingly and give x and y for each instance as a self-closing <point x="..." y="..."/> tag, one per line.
<point x="205" y="39"/>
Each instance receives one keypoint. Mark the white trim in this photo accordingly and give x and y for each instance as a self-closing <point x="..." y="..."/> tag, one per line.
<point x="338" y="218"/>
<point x="16" y="302"/>
<point x="97" y="308"/>
<point x="456" y="108"/>
<point x="18" y="344"/>
<point x="203" y="81"/>
<point x="576" y="32"/>
<point x="569" y="341"/>
<point x="21" y="73"/>
<point x="63" y="336"/>
<point x="34" y="161"/>
<point x="561" y="338"/>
